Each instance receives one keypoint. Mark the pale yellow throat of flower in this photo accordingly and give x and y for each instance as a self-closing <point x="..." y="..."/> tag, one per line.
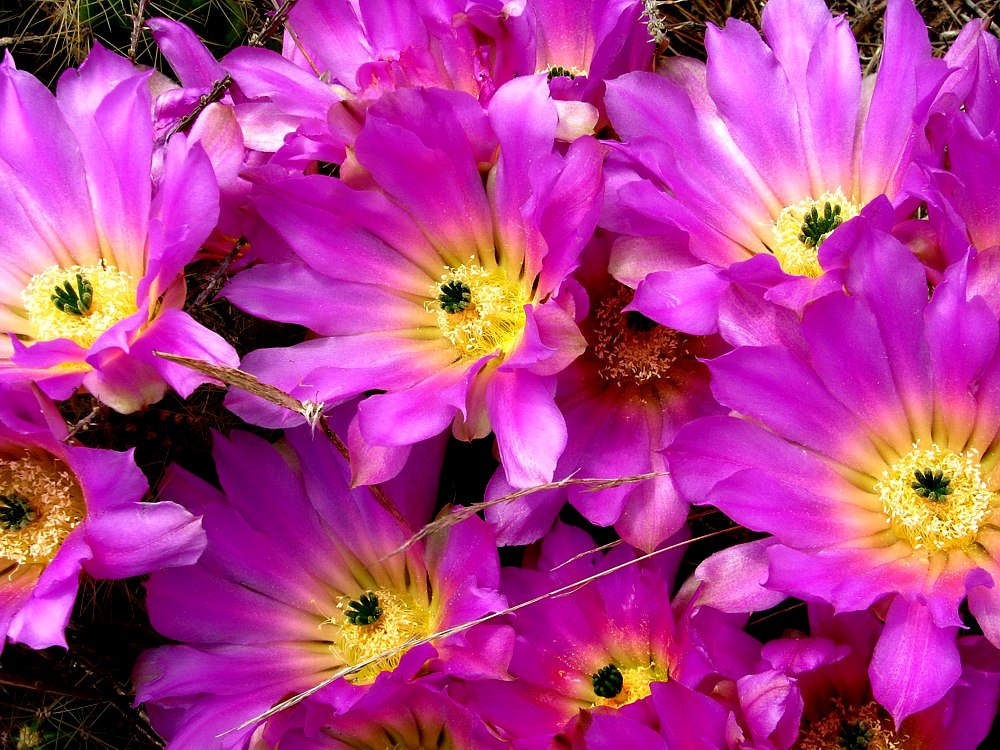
<point x="802" y="227"/>
<point x="40" y="504"/>
<point x="479" y="311"/>
<point x="936" y="499"/>
<point x="78" y="303"/>
<point x="372" y="624"/>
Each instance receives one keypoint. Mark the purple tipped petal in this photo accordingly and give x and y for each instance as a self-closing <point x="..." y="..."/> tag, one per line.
<point x="176" y="332"/>
<point x="41" y="622"/>
<point x="749" y="87"/>
<point x="732" y="579"/>
<point x="889" y="125"/>
<point x="530" y="429"/>
<point x="915" y="662"/>
<point x="190" y="59"/>
<point x="686" y="300"/>
<point x="132" y="541"/>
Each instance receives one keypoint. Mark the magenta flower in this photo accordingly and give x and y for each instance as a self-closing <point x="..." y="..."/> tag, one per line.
<point x="624" y="399"/>
<point x="605" y="646"/>
<point x="961" y="197"/>
<point x="274" y="112"/>
<point x="813" y="692"/>
<point x="579" y="45"/>
<point x="92" y="274"/>
<point x="752" y="160"/>
<point x="870" y="459"/>
<point x="372" y="49"/>
<point x="830" y="670"/>
<point x="66" y="509"/>
<point x="298" y="582"/>
<point x="675" y="717"/>
<point x="424" y="284"/>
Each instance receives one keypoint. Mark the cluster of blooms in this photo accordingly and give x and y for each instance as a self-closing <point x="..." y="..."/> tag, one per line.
<point x="765" y="283"/>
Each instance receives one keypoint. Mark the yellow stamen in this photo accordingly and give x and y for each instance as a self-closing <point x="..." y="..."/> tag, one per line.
<point x="949" y="522"/>
<point x="492" y="319"/>
<point x="113" y="300"/>
<point x="55" y="498"/>
<point x="867" y="727"/>
<point x="635" y="685"/>
<point x="802" y="258"/>
<point x="400" y="620"/>
<point x="631" y="347"/>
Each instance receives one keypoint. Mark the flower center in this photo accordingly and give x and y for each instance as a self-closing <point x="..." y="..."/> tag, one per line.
<point x="935" y="498"/>
<point x="866" y="728"/>
<point x="631" y="347"/>
<point x="617" y="686"/>
<point x="40" y="504"/>
<point x="478" y="311"/>
<point x="801" y="228"/>
<point x="78" y="303"/>
<point x="376" y="622"/>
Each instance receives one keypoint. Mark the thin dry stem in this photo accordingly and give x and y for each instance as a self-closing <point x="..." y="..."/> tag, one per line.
<point x="213" y="284"/>
<point x="460" y="514"/>
<point x="462" y="627"/>
<point x="137" y="18"/>
<point x="312" y="412"/>
<point x="587" y="553"/>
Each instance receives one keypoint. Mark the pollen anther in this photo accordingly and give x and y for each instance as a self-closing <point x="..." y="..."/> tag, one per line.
<point x="41" y="504"/>
<point x="802" y="227"/>
<point x="363" y="636"/>
<point x="867" y="727"/>
<point x="78" y="303"/>
<point x="631" y="347"/>
<point x="634" y="683"/>
<point x="479" y="311"/>
<point x="946" y="505"/>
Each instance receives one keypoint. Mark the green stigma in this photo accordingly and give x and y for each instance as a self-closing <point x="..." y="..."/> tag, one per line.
<point x="15" y="512"/>
<point x="364" y="610"/>
<point x="74" y="301"/>
<point x="558" y="71"/>
<point x="855" y="735"/>
<point x="608" y="681"/>
<point x="931" y="484"/>
<point x="817" y="226"/>
<point x="455" y="296"/>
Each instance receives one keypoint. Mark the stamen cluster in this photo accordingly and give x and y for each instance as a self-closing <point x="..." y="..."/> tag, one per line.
<point x="374" y="623"/>
<point x="78" y="303"/>
<point x="479" y="311"/>
<point x="632" y="348"/>
<point x="801" y="228"/>
<point x="945" y="507"/>
<point x="866" y="727"/>
<point x="41" y="504"/>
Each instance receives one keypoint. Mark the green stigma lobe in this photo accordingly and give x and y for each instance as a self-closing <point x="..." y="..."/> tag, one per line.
<point x="74" y="300"/>
<point x="455" y="296"/>
<point x="817" y="226"/>
<point x="364" y="610"/>
<point x="15" y="512"/>
<point x="608" y="681"/>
